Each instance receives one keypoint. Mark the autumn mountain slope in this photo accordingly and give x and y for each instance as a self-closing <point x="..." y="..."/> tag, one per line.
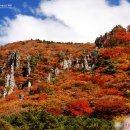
<point x="69" y="79"/>
<point x="45" y="91"/>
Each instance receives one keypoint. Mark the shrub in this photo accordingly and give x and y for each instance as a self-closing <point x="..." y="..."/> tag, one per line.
<point x="42" y="96"/>
<point x="96" y="124"/>
<point x="109" y="91"/>
<point x="34" y="90"/>
<point x="98" y="80"/>
<point x="80" y="107"/>
<point x="128" y="72"/>
<point x="39" y="120"/>
<point x="42" y="120"/>
<point x="14" y="95"/>
<point x="128" y="58"/>
<point x="123" y="67"/>
<point x="39" y="41"/>
<point x="48" y="89"/>
<point x="16" y="121"/>
<point x="55" y="111"/>
<point x="5" y="125"/>
<point x="85" y="123"/>
<point x="110" y="70"/>
<point x="107" y="109"/>
<point x="2" y="82"/>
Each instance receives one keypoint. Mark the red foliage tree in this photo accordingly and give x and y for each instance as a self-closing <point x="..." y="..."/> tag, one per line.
<point x="80" y="107"/>
<point x="108" y="108"/>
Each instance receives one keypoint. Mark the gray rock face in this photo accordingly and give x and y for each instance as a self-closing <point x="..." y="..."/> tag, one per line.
<point x="4" y="92"/>
<point x="29" y="85"/>
<point x="13" y="61"/>
<point x="28" y="65"/>
<point x="69" y="61"/>
<point x="49" y="77"/>
<point x="86" y="66"/>
<point x="17" y="60"/>
<point x="65" y="64"/>
<point x="56" y="71"/>
<point x="93" y="66"/>
<point x="7" y="80"/>
<point x="13" y="58"/>
<point x="77" y="63"/>
<point x="10" y="81"/>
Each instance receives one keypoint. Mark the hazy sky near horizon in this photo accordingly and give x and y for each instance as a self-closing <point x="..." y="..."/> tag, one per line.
<point x="60" y="20"/>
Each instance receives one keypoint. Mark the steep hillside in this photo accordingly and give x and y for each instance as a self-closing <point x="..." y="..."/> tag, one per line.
<point x="69" y="79"/>
<point x="41" y="72"/>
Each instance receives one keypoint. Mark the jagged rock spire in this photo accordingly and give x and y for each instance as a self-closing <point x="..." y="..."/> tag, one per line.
<point x="86" y="66"/>
<point x="13" y="58"/>
<point x="10" y="81"/>
<point x="28" y="65"/>
<point x="17" y="60"/>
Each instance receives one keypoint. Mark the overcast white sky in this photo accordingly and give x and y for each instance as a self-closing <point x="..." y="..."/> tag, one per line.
<point x="66" y="20"/>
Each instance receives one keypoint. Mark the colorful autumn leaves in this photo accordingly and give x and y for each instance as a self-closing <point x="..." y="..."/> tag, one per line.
<point x="80" y="107"/>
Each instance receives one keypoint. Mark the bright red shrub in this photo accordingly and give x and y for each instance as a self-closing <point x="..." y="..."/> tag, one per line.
<point x="80" y="107"/>
<point x="95" y="79"/>
<point x="98" y="80"/>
